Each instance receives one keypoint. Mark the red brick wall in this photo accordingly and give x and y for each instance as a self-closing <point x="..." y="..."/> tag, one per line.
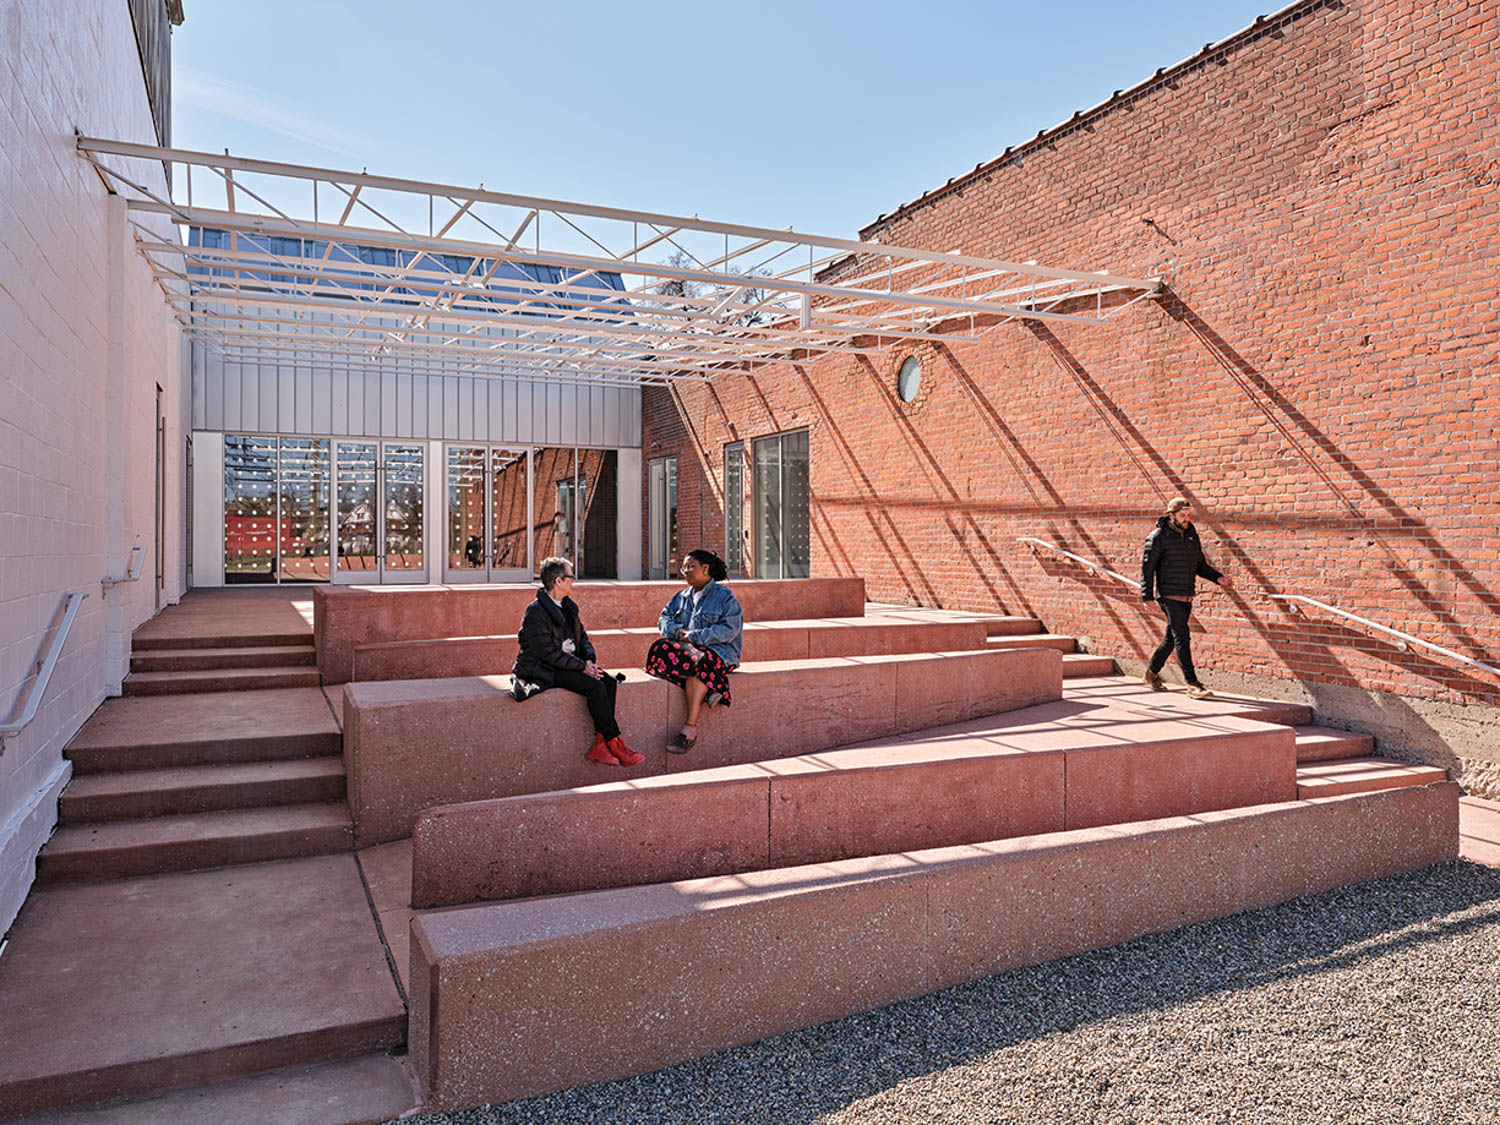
<point x="1318" y="377"/>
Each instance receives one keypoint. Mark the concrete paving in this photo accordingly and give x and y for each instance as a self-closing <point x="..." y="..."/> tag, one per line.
<point x="243" y="613"/>
<point x="124" y="987"/>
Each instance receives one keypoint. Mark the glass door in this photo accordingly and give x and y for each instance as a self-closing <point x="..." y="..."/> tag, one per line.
<point x="380" y="518"/>
<point x="661" y="477"/>
<point x="487" y="515"/>
<point x="783" y="545"/>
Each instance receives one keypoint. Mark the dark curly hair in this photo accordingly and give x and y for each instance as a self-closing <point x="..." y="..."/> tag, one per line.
<point x="716" y="568"/>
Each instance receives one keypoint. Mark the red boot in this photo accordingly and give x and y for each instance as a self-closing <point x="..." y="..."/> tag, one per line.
<point x="624" y="754"/>
<point x="600" y="752"/>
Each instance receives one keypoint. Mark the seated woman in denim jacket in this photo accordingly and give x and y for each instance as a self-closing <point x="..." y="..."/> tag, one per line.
<point x="700" y="641"/>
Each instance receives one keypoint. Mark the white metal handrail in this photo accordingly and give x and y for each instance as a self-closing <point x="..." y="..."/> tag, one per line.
<point x="1092" y="567"/>
<point x="133" y="568"/>
<point x="1403" y="640"/>
<point x="44" y="667"/>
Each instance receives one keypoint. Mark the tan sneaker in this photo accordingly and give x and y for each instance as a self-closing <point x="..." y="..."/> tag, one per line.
<point x="1198" y="691"/>
<point x="1153" y="681"/>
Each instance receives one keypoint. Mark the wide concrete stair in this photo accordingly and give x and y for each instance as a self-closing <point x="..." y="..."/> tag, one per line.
<point x="190" y="781"/>
<point x="200" y="945"/>
<point x="756" y="898"/>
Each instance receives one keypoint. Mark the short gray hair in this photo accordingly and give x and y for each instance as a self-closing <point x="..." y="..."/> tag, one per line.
<point x="553" y="568"/>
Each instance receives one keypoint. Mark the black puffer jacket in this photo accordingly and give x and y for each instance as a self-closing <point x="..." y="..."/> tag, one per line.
<point x="544" y="629"/>
<point x="1173" y="562"/>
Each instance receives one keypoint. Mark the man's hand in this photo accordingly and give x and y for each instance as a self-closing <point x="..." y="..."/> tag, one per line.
<point x="592" y="669"/>
<point x="1226" y="582"/>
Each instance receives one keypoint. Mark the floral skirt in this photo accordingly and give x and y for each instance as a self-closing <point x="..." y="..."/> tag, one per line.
<point x="672" y="661"/>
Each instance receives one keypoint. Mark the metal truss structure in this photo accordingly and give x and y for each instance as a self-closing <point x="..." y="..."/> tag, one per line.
<point x="284" y="263"/>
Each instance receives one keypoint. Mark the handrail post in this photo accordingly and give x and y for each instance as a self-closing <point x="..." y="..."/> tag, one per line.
<point x="44" y="668"/>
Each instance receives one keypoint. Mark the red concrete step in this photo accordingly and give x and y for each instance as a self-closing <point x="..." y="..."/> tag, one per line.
<point x="1479" y="830"/>
<point x="365" y="1090"/>
<point x="1076" y="665"/>
<point x="119" y="849"/>
<point x="159" y="732"/>
<point x="1033" y="640"/>
<point x="1011" y="626"/>
<point x="194" y="789"/>
<point x="519" y="999"/>
<point x="130" y="988"/>
<point x="143" y="641"/>
<point x="232" y="679"/>
<point x="1324" y="744"/>
<point x="195" y="659"/>
<point x="1362" y="775"/>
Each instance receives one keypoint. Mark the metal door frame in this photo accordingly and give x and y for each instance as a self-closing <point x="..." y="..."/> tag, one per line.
<point x="380" y="575"/>
<point x="489" y="572"/>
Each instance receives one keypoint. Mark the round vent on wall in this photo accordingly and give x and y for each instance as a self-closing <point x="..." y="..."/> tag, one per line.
<point x="909" y="378"/>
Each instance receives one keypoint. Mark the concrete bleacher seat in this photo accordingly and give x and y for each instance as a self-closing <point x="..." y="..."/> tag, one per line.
<point x="413" y="744"/>
<point x="438" y="657"/>
<point x="906" y="795"/>
<point x="518" y="999"/>
<point x="347" y="616"/>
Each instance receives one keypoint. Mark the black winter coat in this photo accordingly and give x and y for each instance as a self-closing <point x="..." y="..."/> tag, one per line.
<point x="1172" y="562"/>
<point x="544" y="628"/>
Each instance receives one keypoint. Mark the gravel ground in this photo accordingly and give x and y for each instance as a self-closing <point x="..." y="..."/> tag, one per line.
<point x="1375" y="1003"/>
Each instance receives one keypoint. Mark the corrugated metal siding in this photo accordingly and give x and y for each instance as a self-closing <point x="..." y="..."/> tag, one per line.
<point x="286" y="399"/>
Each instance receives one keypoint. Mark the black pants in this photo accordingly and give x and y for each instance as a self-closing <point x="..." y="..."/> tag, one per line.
<point x="1177" y="637"/>
<point x="599" y="694"/>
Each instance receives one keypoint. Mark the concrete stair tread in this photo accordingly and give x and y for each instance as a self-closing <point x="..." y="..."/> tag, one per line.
<point x="365" y="1090"/>
<point x="132" y="987"/>
<point x="154" y="642"/>
<point x="194" y="826"/>
<point x="1033" y="640"/>
<point x="125" y="848"/>
<point x="1130" y="692"/>
<point x="1081" y="664"/>
<point x="155" y="731"/>
<point x="1362" y="775"/>
<point x="219" y="680"/>
<point x="1323" y="744"/>
<point x="196" y="659"/>
<point x="191" y="789"/>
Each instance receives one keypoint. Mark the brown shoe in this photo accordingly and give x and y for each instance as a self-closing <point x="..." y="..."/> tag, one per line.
<point x="1153" y="681"/>
<point x="681" y="744"/>
<point x="1198" y="691"/>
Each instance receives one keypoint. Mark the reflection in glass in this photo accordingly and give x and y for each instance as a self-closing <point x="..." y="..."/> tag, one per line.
<point x="250" y="519"/>
<point x="551" y="467"/>
<point x="794" y="501"/>
<point x="404" y="479"/>
<point x="466" y="508"/>
<point x="508" y="548"/>
<point x="356" y="463"/>
<point x="598" y="493"/>
<point x="303" y="488"/>
<point x="768" y="508"/>
<point x="734" y="509"/>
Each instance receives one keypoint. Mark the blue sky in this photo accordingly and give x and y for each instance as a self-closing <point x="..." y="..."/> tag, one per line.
<point x="819" y="115"/>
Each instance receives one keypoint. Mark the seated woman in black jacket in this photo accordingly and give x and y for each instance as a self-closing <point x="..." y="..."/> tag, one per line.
<point x="555" y="652"/>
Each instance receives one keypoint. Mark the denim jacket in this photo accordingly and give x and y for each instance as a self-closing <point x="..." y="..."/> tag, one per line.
<point x="714" y="624"/>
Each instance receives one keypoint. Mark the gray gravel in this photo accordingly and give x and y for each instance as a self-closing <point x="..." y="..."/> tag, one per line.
<point x="1374" y="1003"/>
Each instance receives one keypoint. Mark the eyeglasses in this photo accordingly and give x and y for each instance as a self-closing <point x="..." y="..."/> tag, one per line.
<point x="689" y="566"/>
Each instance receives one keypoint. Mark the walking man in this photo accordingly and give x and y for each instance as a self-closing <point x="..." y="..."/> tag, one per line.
<point x="1172" y="564"/>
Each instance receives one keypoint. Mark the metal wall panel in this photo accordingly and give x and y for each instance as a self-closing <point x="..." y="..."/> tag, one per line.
<point x="286" y="400"/>
<point x="393" y="402"/>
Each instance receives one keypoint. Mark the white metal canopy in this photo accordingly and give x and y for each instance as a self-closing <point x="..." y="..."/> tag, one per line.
<point x="282" y="262"/>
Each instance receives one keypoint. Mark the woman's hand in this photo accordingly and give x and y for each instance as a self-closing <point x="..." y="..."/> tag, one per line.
<point x="682" y="634"/>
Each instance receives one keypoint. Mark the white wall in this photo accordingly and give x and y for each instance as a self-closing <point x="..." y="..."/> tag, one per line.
<point x="79" y="367"/>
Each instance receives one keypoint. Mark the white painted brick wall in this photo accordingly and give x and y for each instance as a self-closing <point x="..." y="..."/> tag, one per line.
<point x="77" y="463"/>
